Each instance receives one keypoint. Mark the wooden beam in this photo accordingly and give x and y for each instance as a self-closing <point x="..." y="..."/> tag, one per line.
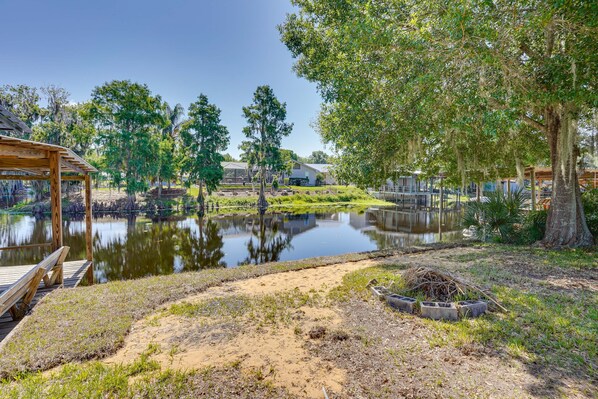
<point x="19" y="152"/>
<point x="69" y="165"/>
<point x="88" y="228"/>
<point x="46" y="244"/>
<point x="10" y="163"/>
<point x="440" y="208"/>
<point x="55" y="198"/>
<point x="40" y="177"/>
<point x="533" y="182"/>
<point x="73" y="178"/>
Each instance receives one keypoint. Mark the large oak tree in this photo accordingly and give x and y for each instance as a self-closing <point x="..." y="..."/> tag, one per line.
<point x="474" y="88"/>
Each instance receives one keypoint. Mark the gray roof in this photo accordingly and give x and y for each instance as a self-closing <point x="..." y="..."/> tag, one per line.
<point x="234" y="165"/>
<point x="10" y="123"/>
<point x="320" y="167"/>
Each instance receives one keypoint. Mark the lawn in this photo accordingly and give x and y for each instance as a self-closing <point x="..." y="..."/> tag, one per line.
<point x="544" y="346"/>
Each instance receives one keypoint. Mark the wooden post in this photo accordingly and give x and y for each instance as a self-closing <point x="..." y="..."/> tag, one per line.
<point x="56" y="205"/>
<point x="533" y="183"/>
<point x="55" y="199"/>
<point x="440" y="209"/>
<point x="88" y="230"/>
<point x="509" y="187"/>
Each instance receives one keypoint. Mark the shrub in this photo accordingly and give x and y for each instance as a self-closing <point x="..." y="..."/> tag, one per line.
<point x="590" y="206"/>
<point x="533" y="228"/>
<point x="320" y="179"/>
<point x="495" y="219"/>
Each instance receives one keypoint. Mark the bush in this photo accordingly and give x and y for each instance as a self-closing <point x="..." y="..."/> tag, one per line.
<point x="590" y="206"/>
<point x="533" y="228"/>
<point x="320" y="178"/>
<point x="497" y="218"/>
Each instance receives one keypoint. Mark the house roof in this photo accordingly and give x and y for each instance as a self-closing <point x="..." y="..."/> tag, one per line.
<point x="10" y="123"/>
<point x="234" y="165"/>
<point x="319" y="167"/>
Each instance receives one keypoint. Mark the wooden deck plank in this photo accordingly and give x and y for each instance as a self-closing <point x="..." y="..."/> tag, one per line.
<point x="74" y="273"/>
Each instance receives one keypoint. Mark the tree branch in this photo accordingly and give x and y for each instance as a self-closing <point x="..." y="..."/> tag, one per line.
<point x="528" y="120"/>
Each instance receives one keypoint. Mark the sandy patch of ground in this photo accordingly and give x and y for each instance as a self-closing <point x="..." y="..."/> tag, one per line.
<point x="275" y="353"/>
<point x="365" y="350"/>
<point x="321" y="279"/>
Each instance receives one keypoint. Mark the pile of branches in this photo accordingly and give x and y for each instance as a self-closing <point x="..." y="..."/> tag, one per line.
<point x="439" y="286"/>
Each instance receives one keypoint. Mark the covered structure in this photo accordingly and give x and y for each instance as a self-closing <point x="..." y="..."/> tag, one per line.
<point x="541" y="183"/>
<point x="28" y="160"/>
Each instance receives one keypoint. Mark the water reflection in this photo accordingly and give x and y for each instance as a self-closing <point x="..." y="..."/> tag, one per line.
<point x="134" y="247"/>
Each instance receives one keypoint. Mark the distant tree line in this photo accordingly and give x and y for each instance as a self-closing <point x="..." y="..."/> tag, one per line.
<point x="139" y="141"/>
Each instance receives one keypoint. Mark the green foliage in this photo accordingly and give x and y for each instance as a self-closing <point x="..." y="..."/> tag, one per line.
<point x="475" y="89"/>
<point x="128" y="119"/>
<point x="266" y="127"/>
<point x="320" y="179"/>
<point x="590" y="206"/>
<point x="400" y="93"/>
<point x="496" y="218"/>
<point x="23" y="101"/>
<point x="533" y="228"/>
<point x="318" y="157"/>
<point x="203" y="139"/>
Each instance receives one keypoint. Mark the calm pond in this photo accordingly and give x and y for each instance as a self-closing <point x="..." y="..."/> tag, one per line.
<point x="126" y="248"/>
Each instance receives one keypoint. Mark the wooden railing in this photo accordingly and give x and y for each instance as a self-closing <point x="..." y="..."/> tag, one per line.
<point x="19" y="295"/>
<point x="26" y="246"/>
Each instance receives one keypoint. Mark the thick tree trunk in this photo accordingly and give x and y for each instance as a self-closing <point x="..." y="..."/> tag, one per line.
<point x="566" y="225"/>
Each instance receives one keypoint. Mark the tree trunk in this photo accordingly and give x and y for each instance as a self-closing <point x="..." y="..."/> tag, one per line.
<point x="201" y="199"/>
<point x="262" y="204"/>
<point x="131" y="199"/>
<point x="566" y="224"/>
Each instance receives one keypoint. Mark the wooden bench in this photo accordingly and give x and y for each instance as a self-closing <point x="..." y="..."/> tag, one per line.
<point x="24" y="288"/>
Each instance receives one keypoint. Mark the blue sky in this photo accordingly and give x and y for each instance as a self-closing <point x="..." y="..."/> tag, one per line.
<point x="179" y="48"/>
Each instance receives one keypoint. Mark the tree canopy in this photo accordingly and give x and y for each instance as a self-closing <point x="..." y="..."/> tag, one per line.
<point x="475" y="89"/>
<point x="128" y="118"/>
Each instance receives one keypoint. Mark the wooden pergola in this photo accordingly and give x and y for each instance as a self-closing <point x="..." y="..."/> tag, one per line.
<point x="538" y="174"/>
<point x="28" y="160"/>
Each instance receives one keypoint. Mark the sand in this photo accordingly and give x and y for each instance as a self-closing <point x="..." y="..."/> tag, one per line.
<point x="276" y="354"/>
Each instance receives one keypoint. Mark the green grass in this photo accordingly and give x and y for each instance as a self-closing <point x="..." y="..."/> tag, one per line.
<point x="264" y="310"/>
<point x="544" y="327"/>
<point x="142" y="379"/>
<point x="306" y="196"/>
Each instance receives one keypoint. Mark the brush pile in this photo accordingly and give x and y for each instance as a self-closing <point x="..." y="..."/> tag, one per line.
<point x="433" y="284"/>
<point x="438" y="286"/>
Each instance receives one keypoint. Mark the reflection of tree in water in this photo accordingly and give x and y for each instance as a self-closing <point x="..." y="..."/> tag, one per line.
<point x="155" y="248"/>
<point x="202" y="249"/>
<point x="11" y="235"/>
<point x="268" y="244"/>
<point x="147" y="249"/>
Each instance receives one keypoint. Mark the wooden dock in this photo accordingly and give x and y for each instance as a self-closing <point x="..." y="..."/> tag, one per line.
<point x="73" y="273"/>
